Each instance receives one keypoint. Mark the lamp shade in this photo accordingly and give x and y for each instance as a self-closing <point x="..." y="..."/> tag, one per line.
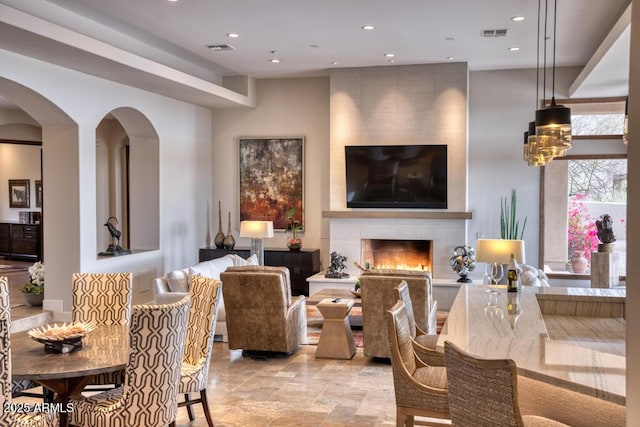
<point x="499" y="250"/>
<point x="554" y="122"/>
<point x="256" y="229"/>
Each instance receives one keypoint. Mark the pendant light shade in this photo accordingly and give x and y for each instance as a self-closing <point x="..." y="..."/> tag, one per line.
<point x="554" y="122"/>
<point x="534" y="156"/>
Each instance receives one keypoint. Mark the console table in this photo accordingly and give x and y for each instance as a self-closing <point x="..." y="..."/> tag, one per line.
<point x="18" y="240"/>
<point x="301" y="264"/>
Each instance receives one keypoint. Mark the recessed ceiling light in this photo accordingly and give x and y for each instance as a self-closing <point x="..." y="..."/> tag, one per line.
<point x="514" y="48"/>
<point x="389" y="55"/>
<point x="517" y="18"/>
<point x="450" y="58"/>
<point x="334" y="63"/>
<point x="274" y="61"/>
<point x="449" y="39"/>
<point x="173" y="1"/>
<point x="392" y="60"/>
<point x="368" y="27"/>
<point x="233" y="35"/>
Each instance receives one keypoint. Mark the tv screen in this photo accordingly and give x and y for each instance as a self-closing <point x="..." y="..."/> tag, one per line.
<point x="396" y="176"/>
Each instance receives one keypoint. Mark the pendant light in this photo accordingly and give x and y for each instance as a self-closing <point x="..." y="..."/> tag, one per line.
<point x="625" y="130"/>
<point x="553" y="121"/>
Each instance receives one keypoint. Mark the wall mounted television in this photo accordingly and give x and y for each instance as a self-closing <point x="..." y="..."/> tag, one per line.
<point x="396" y="176"/>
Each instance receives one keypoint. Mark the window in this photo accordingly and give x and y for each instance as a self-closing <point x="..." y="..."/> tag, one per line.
<point x="581" y="187"/>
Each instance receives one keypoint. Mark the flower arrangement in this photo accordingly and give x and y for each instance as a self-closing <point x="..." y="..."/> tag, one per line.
<point x="583" y="233"/>
<point x="294" y="243"/>
<point x="35" y="285"/>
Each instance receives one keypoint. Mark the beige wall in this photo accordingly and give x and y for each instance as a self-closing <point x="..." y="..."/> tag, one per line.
<point x="18" y="162"/>
<point x="286" y="107"/>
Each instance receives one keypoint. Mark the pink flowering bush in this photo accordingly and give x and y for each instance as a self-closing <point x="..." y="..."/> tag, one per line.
<point x="583" y="233"/>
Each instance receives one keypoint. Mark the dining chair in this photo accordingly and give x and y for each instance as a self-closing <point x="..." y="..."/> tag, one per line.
<point x="102" y="299"/>
<point x="205" y="296"/>
<point x="149" y="395"/>
<point x="424" y="344"/>
<point x="420" y="390"/>
<point x="485" y="392"/>
<point x="8" y="417"/>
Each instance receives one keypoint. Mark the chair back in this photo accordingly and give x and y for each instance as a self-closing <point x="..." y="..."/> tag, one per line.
<point x="156" y="339"/>
<point x="401" y="293"/>
<point x="261" y="314"/>
<point x="205" y="296"/>
<point x="481" y="391"/>
<point x="102" y="298"/>
<point x="402" y="355"/>
<point x="5" y="350"/>
<point x="377" y="297"/>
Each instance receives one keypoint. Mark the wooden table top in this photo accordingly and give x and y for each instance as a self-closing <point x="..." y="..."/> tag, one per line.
<point x="105" y="349"/>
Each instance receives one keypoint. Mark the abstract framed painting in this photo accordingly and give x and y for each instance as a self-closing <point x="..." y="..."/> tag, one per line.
<point x="271" y="179"/>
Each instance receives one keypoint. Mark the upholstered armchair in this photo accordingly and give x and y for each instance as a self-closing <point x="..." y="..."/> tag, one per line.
<point x="377" y="296"/>
<point x="261" y="313"/>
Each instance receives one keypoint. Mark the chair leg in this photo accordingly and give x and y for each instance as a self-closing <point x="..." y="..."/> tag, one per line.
<point x="189" y="408"/>
<point x="409" y="420"/>
<point x="205" y="407"/>
<point x="173" y="423"/>
<point x="399" y="417"/>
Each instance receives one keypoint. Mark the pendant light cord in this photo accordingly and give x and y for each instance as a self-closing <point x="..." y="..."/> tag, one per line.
<point x="544" y="75"/>
<point x="553" y="81"/>
<point x="538" y="59"/>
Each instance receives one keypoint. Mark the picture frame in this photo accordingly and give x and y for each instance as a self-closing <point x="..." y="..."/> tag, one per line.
<point x="38" y="190"/>
<point x="19" y="196"/>
<point x="271" y="179"/>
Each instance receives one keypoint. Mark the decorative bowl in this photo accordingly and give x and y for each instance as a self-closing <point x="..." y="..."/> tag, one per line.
<point x="63" y="338"/>
<point x="355" y="293"/>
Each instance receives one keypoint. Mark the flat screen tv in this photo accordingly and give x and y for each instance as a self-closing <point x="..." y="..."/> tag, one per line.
<point x="396" y="176"/>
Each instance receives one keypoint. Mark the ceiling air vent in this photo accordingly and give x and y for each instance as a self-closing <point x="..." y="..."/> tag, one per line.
<point x="494" y="33"/>
<point x="220" y="47"/>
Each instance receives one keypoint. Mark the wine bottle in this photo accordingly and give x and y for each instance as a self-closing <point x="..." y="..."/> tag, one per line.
<point x="513" y="276"/>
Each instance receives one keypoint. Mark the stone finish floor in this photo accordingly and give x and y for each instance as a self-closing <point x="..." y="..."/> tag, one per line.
<point x="297" y="390"/>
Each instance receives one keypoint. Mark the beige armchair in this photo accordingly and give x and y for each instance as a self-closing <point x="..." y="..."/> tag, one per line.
<point x="378" y="296"/>
<point x="262" y="316"/>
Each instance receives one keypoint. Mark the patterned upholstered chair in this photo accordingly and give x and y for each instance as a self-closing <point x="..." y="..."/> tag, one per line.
<point x="420" y="390"/>
<point x="376" y="287"/>
<point x="205" y="296"/>
<point x="149" y="396"/>
<point x="102" y="299"/>
<point x="485" y="392"/>
<point x="424" y="344"/>
<point x="262" y="316"/>
<point x="11" y="418"/>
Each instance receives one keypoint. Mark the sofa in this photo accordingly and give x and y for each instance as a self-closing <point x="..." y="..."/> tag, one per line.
<point x="174" y="285"/>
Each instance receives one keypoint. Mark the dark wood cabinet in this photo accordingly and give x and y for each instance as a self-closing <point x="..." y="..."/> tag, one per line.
<point x="20" y="240"/>
<point x="301" y="264"/>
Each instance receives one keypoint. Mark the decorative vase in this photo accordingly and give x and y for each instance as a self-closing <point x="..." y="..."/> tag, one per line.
<point x="219" y="239"/>
<point x="294" y="243"/>
<point x="579" y="262"/>
<point x="229" y="242"/>
<point x="34" y="300"/>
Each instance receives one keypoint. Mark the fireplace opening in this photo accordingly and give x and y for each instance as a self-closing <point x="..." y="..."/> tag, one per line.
<point x="401" y="254"/>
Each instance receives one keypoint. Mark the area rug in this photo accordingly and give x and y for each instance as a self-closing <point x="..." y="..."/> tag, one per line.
<point x="314" y="324"/>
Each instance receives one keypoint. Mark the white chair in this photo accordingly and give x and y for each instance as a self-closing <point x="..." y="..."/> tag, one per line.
<point x="205" y="296"/>
<point x="149" y="396"/>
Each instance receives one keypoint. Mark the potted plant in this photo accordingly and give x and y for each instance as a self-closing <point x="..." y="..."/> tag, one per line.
<point x="33" y="290"/>
<point x="294" y="243"/>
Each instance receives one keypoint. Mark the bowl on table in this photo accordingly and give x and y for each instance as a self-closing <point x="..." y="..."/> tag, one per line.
<point x="63" y="338"/>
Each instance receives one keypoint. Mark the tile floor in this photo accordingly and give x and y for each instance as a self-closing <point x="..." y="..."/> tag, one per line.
<point x="298" y="390"/>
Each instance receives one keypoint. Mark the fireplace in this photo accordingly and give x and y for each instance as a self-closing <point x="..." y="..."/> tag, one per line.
<point x="402" y="254"/>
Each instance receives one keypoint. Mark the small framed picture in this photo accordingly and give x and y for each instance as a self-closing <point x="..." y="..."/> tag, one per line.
<point x="38" y="193"/>
<point x="19" y="196"/>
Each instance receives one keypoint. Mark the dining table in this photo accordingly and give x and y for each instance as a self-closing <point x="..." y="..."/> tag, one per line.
<point x="103" y="350"/>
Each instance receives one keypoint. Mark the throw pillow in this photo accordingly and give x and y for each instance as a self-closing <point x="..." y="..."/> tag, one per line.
<point x="252" y="260"/>
<point x="178" y="280"/>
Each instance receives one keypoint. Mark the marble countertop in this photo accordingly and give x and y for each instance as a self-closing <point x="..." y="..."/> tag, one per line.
<point x="514" y="328"/>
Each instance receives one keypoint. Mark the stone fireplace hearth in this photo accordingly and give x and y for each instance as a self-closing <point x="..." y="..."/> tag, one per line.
<point x="446" y="231"/>
<point x="393" y="253"/>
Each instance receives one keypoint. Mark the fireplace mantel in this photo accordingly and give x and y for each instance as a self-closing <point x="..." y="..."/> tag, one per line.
<point x="398" y="214"/>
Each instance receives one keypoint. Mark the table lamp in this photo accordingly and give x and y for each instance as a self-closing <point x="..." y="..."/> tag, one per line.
<point x="498" y="251"/>
<point x="257" y="230"/>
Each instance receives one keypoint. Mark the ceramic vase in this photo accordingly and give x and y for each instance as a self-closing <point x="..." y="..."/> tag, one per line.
<point x="579" y="262"/>
<point x="229" y="242"/>
<point x="34" y="300"/>
<point x="219" y="239"/>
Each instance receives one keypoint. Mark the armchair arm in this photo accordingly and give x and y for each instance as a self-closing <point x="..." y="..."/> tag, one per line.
<point x="428" y="356"/>
<point x="296" y="322"/>
<point x="160" y="286"/>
